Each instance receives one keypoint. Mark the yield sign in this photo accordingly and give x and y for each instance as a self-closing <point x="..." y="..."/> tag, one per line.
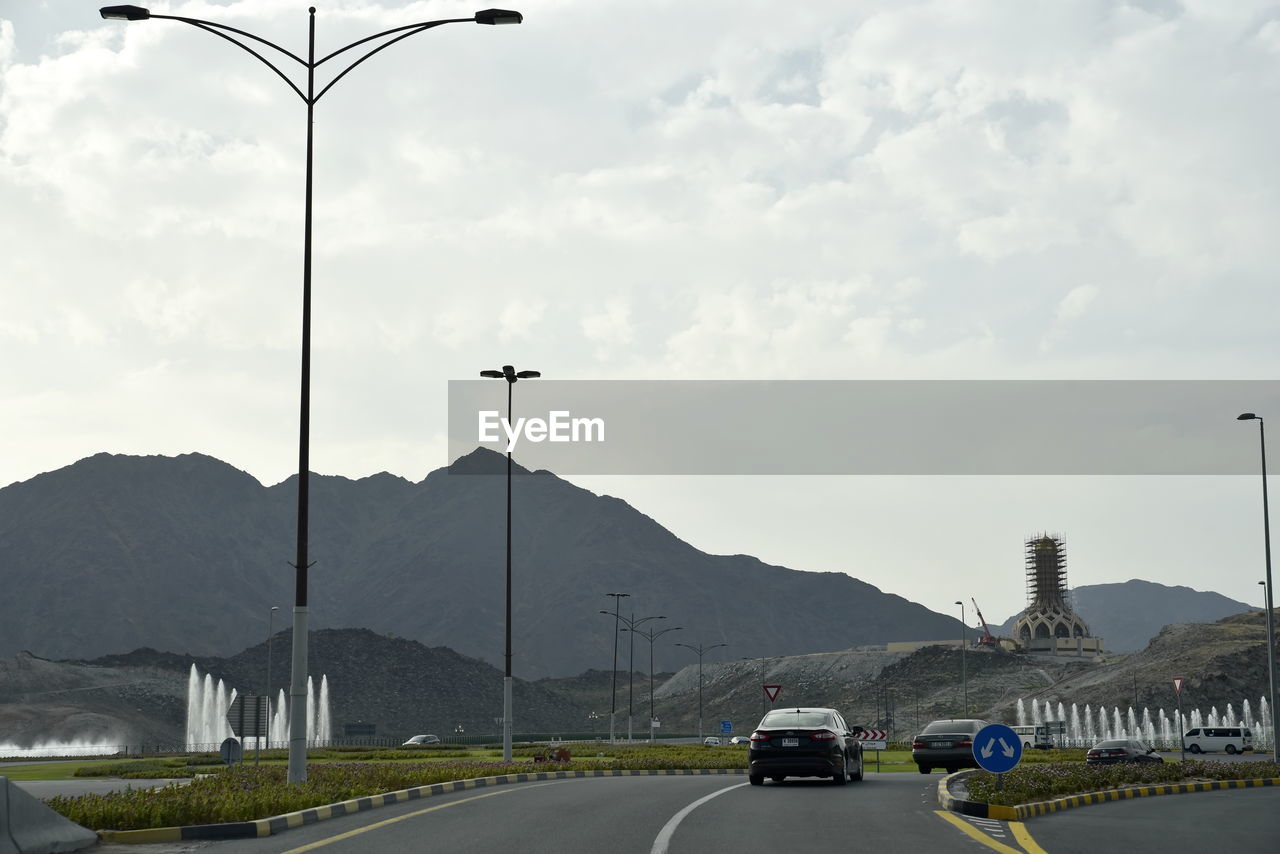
<point x="771" y="691"/>
<point x="1177" y="684"/>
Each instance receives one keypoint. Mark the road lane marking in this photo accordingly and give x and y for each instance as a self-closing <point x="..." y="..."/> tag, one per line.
<point x="974" y="833"/>
<point x="1023" y="836"/>
<point x="663" y="839"/>
<point x="380" y="824"/>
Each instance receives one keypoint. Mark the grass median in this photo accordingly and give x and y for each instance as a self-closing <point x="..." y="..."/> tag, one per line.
<point x="246" y="792"/>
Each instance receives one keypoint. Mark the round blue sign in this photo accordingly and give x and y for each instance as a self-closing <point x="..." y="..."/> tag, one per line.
<point x="997" y="748"/>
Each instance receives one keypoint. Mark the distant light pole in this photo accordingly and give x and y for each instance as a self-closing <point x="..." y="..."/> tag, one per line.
<point x="1271" y="624"/>
<point x="631" y="662"/>
<point x="763" y="711"/>
<point x="700" y="649"/>
<point x="613" y="705"/>
<point x="298" y="681"/>
<point x="964" y="672"/>
<point x="651" y="635"/>
<point x="270" y="615"/>
<point x="509" y="374"/>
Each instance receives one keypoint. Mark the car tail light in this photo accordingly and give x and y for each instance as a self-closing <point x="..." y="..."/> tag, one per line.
<point x="823" y="735"/>
<point x="968" y="742"/>
<point x="759" y="736"/>
<point x="917" y="745"/>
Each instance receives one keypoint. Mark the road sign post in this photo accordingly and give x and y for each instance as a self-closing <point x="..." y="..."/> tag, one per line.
<point x="997" y="749"/>
<point x="247" y="718"/>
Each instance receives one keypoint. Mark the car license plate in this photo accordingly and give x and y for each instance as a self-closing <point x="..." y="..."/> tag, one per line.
<point x="939" y="744"/>
<point x="791" y="742"/>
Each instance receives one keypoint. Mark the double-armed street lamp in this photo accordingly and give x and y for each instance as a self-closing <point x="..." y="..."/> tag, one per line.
<point x="652" y="635"/>
<point x="631" y="624"/>
<point x="700" y="650"/>
<point x="1270" y="603"/>
<point x="512" y="376"/>
<point x="617" y="619"/>
<point x="245" y="41"/>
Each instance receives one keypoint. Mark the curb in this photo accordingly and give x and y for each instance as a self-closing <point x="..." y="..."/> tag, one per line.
<point x="279" y="823"/>
<point x="1021" y="812"/>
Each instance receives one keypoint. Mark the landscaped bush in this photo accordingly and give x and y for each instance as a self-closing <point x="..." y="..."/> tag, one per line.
<point x="247" y="792"/>
<point x="1040" y="782"/>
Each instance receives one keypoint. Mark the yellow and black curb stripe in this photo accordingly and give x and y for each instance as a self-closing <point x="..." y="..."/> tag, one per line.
<point x="1021" y="812"/>
<point x="276" y="824"/>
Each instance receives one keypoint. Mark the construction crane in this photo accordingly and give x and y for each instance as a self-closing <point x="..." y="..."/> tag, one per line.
<point x="987" y="638"/>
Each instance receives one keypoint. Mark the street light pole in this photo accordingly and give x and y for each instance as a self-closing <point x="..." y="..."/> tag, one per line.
<point x="631" y="667"/>
<point x="1271" y="625"/>
<point x="700" y="649"/>
<point x="298" y="681"/>
<point x="964" y="672"/>
<point x="270" y="615"/>
<point x="651" y="635"/>
<point x="509" y="374"/>
<point x="613" y="704"/>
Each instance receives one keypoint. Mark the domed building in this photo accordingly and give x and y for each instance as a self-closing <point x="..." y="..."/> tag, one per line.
<point x="1048" y="625"/>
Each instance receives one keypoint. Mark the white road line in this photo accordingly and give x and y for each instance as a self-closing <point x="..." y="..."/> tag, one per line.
<point x="663" y="839"/>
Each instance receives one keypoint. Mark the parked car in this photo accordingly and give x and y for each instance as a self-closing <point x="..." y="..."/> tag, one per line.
<point x="422" y="739"/>
<point x="1232" y="739"/>
<point x="809" y="742"/>
<point x="946" y="744"/>
<point x="1117" y="750"/>
<point x="711" y="741"/>
<point x="739" y="739"/>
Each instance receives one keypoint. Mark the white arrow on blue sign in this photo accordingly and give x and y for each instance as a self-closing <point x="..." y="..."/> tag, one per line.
<point x="997" y="748"/>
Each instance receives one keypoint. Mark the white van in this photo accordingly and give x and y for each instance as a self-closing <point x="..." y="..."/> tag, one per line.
<point x="1232" y="739"/>
<point x="1034" y="736"/>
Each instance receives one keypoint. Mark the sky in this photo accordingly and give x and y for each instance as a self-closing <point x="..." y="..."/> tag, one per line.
<point x="627" y="190"/>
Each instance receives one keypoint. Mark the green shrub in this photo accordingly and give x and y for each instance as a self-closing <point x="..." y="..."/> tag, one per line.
<point x="1027" y="784"/>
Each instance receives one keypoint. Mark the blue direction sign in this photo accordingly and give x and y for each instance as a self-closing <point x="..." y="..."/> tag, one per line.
<point x="997" y="748"/>
<point x="726" y="726"/>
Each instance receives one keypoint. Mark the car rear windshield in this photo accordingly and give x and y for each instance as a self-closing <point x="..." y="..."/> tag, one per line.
<point x="952" y="726"/>
<point x="794" y="719"/>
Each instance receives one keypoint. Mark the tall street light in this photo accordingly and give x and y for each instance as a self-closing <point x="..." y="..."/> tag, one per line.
<point x="631" y="662"/>
<point x="652" y="635"/>
<point x="509" y="374"/>
<point x="613" y="704"/>
<point x="270" y="618"/>
<point x="298" y="681"/>
<point x="1271" y="623"/>
<point x="964" y="672"/>
<point x="700" y="650"/>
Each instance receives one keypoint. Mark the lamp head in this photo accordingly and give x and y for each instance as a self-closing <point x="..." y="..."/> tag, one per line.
<point x="1247" y="416"/>
<point x="497" y="375"/>
<point x="528" y="375"/>
<point x="124" y="13"/>
<point x="498" y="16"/>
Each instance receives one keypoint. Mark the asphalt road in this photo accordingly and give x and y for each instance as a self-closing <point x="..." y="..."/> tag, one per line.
<point x="707" y="815"/>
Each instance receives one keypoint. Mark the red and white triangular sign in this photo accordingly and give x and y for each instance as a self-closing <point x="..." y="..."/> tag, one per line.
<point x="771" y="691"/>
<point x="1177" y="684"/>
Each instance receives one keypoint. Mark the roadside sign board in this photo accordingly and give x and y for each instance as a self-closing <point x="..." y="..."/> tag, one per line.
<point x="248" y="717"/>
<point x="772" y="691"/>
<point x="874" y="745"/>
<point x="230" y="751"/>
<point x="726" y="726"/>
<point x="997" y="748"/>
<point x="872" y="735"/>
<point x="1177" y="684"/>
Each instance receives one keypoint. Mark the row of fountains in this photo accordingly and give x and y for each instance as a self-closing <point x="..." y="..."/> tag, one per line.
<point x="208" y="702"/>
<point x="1085" y="727"/>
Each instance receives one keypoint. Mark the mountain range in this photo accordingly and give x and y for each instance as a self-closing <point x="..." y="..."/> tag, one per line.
<point x="188" y="554"/>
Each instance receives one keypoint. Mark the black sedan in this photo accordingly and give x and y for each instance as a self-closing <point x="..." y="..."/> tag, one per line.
<point x="946" y="744"/>
<point x="1121" y="750"/>
<point x="807" y="742"/>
